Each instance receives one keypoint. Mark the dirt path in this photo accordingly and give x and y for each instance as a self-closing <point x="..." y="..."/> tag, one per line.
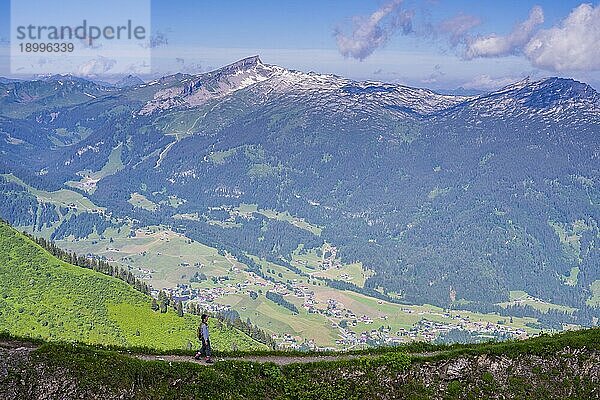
<point x="18" y="345"/>
<point x="15" y="345"/>
<point x="279" y="360"/>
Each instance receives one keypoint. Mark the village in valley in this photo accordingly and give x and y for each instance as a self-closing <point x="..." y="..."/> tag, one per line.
<point x="345" y="320"/>
<point x="340" y="319"/>
<point x="354" y="329"/>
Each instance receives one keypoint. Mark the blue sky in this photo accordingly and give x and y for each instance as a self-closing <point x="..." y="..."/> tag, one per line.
<point x="440" y="44"/>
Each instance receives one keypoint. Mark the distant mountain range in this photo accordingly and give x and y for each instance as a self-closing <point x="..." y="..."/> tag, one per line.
<point x="461" y="91"/>
<point x="7" y="80"/>
<point x="126" y="81"/>
<point x="129" y="81"/>
<point x="448" y="198"/>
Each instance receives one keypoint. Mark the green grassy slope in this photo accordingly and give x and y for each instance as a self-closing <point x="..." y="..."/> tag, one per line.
<point x="43" y="297"/>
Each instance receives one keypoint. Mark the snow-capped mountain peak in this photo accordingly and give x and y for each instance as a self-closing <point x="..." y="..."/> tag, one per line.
<point x="199" y="89"/>
<point x="241" y="65"/>
<point x="274" y="80"/>
<point x="549" y="99"/>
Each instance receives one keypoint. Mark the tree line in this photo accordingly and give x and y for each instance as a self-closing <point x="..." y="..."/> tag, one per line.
<point x="92" y="263"/>
<point x="551" y="319"/>
<point x="229" y="318"/>
<point x="279" y="299"/>
<point x="232" y="319"/>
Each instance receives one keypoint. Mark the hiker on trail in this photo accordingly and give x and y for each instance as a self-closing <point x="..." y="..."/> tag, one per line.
<point x="204" y="338"/>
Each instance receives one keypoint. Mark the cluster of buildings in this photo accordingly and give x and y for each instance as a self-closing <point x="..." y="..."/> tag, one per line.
<point x="428" y="330"/>
<point x="205" y="297"/>
<point x="351" y="326"/>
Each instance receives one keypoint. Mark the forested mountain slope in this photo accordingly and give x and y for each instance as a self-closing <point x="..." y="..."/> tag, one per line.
<point x="446" y="198"/>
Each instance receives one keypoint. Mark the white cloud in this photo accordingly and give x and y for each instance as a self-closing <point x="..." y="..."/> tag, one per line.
<point x="497" y="46"/>
<point x="157" y="39"/>
<point x="573" y="45"/>
<point x="96" y="66"/>
<point x="458" y="27"/>
<point x="434" y="76"/>
<point x="371" y="32"/>
<point x="187" y="67"/>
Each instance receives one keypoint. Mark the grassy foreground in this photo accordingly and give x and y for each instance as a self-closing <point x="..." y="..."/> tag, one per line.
<point x="43" y="297"/>
<point x="549" y="367"/>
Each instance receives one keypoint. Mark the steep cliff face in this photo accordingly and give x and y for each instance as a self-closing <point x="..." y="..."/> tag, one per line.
<point x="569" y="373"/>
<point x="68" y="372"/>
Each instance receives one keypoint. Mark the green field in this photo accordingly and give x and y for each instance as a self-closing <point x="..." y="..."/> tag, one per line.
<point x="219" y="157"/>
<point x="571" y="280"/>
<point x="89" y="179"/>
<point x="519" y="297"/>
<point x="44" y="297"/>
<point x="297" y="222"/>
<point x="311" y="263"/>
<point x="140" y="201"/>
<point x="62" y="197"/>
<point x="73" y="202"/>
<point x="276" y="319"/>
<point x="570" y="235"/>
<point x="594" y="300"/>
<point x="169" y="257"/>
<point x="249" y="209"/>
<point x="353" y="273"/>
